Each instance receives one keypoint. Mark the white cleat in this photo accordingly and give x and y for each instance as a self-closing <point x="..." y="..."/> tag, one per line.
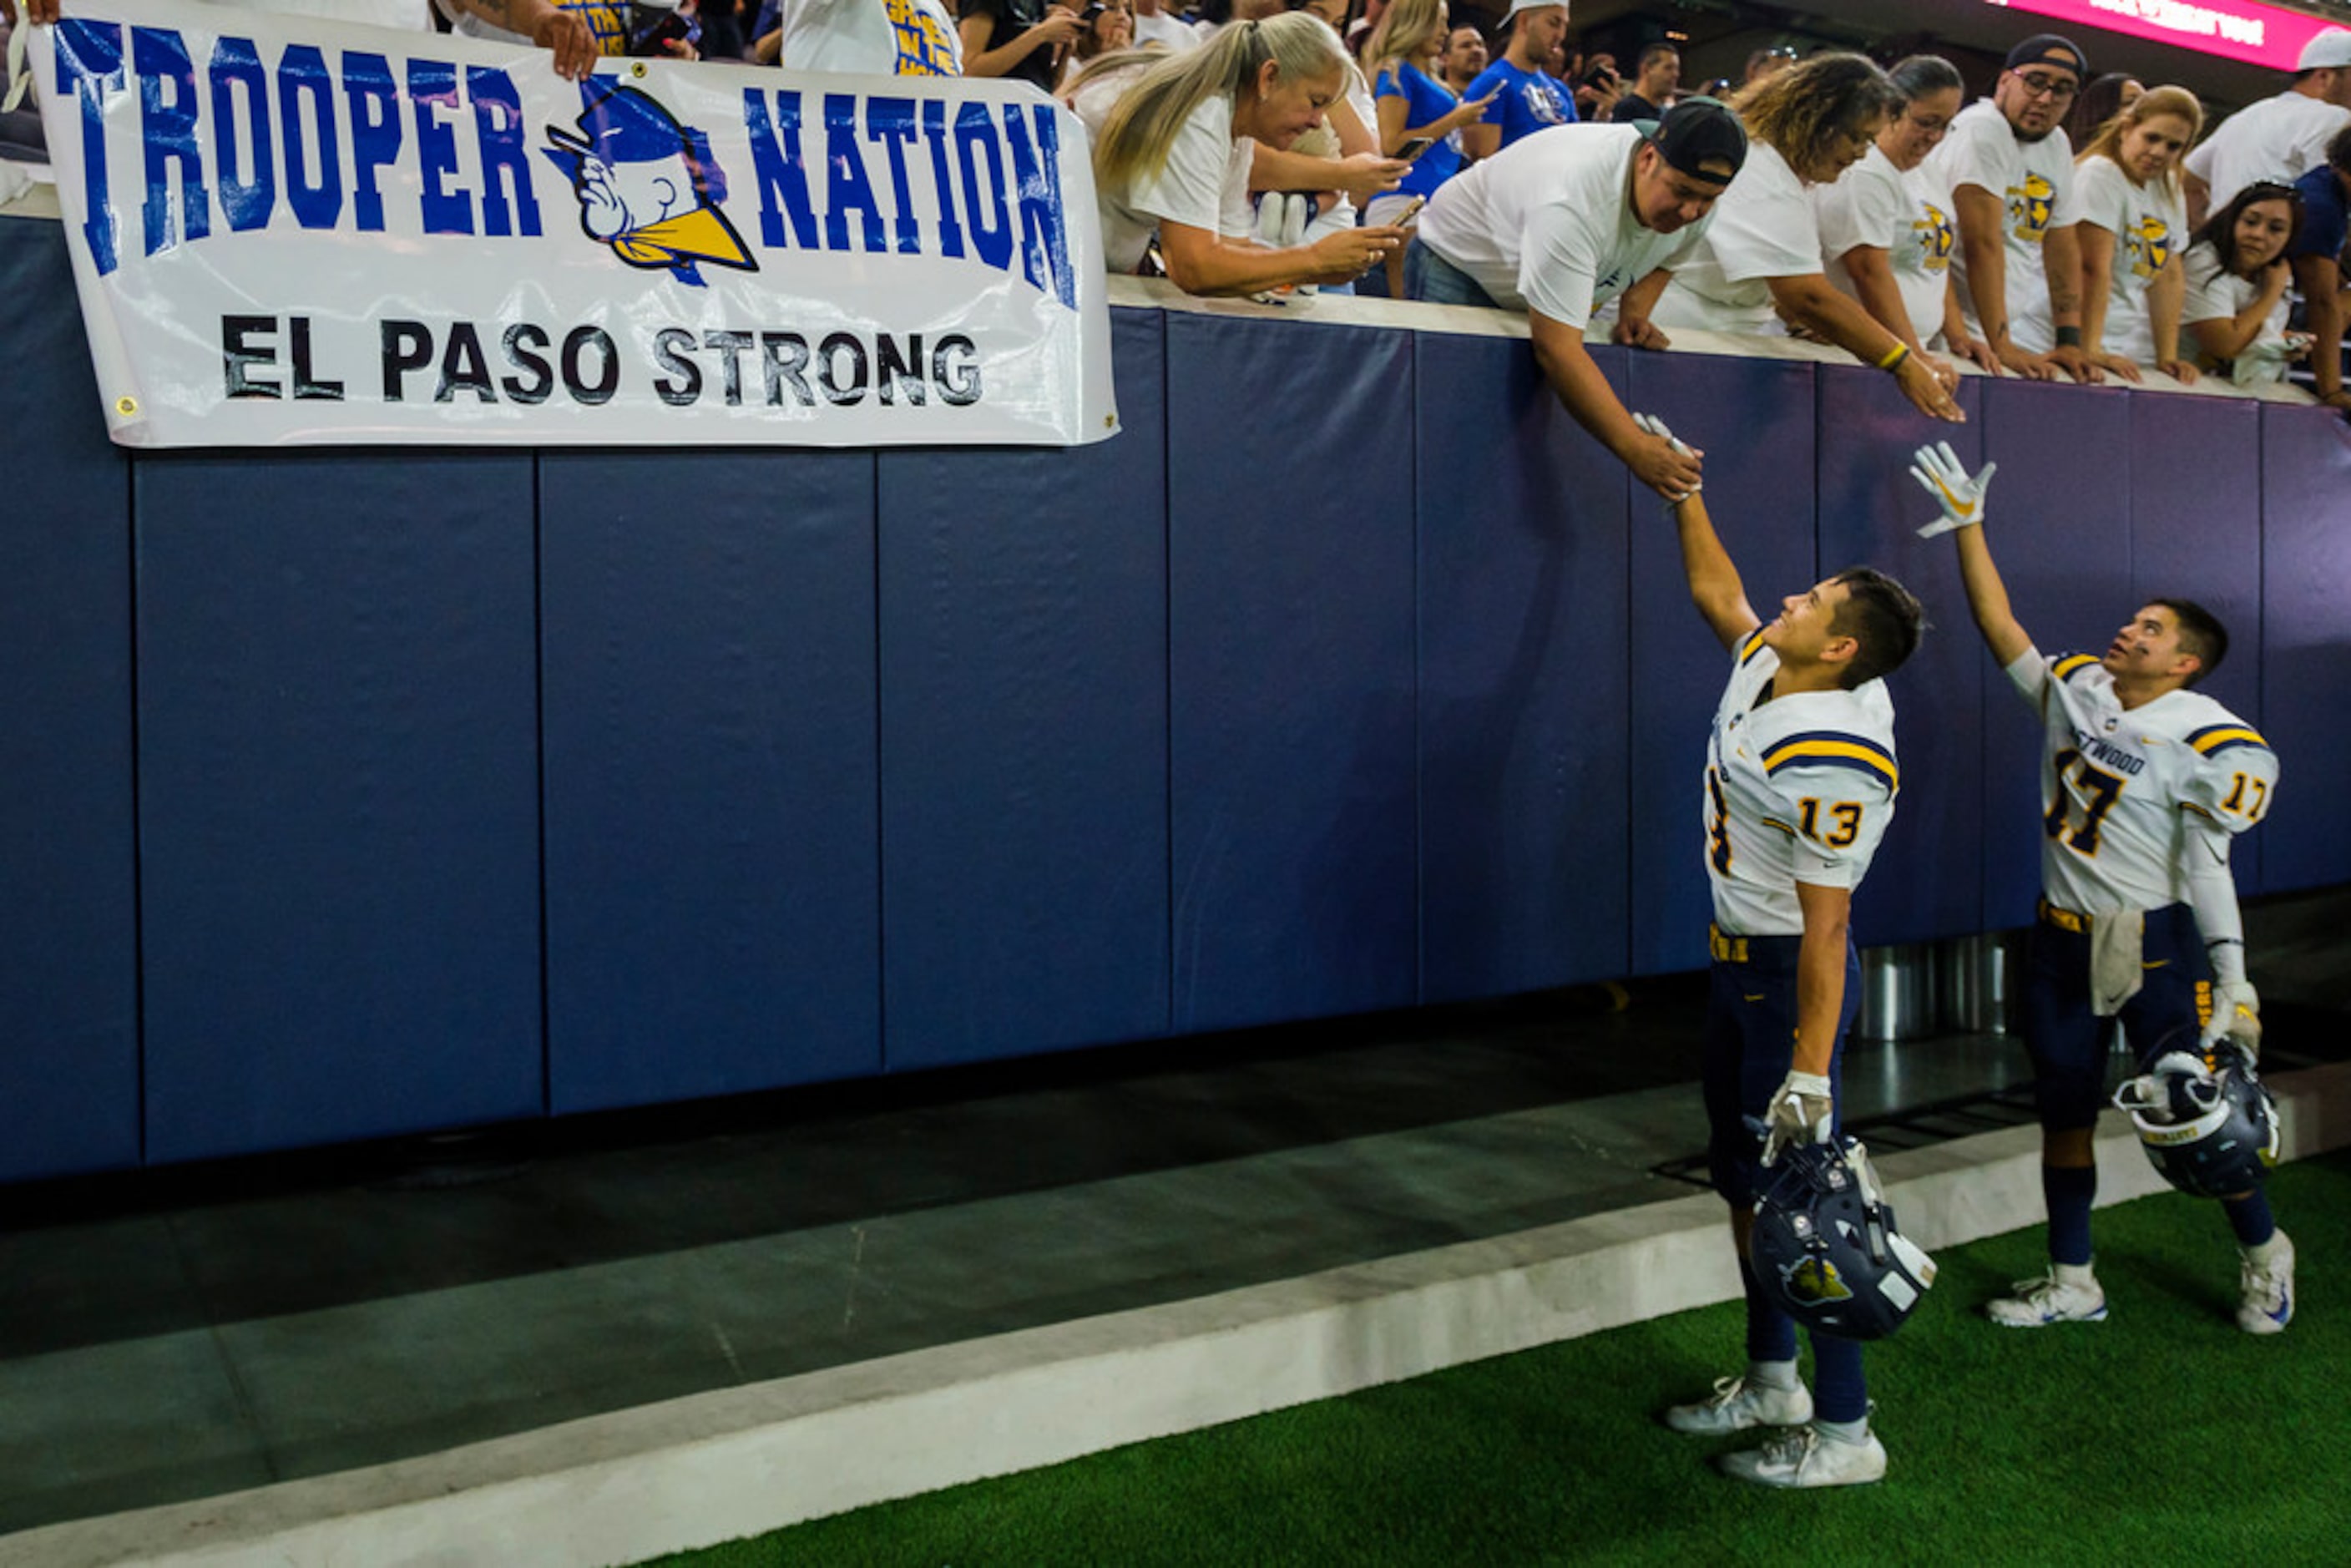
<point x="2048" y="1300"/>
<point x="1803" y="1457"/>
<point x="1736" y="1405"/>
<point x="2267" y="1304"/>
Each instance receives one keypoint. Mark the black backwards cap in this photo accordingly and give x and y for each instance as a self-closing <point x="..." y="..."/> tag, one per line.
<point x="2048" y="49"/>
<point x="1695" y="132"/>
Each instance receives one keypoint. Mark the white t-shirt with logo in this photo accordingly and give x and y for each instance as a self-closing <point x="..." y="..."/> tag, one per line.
<point x="2214" y="294"/>
<point x="1203" y="184"/>
<point x="1763" y="228"/>
<point x="1908" y="215"/>
<point x="872" y="37"/>
<point x="2279" y="138"/>
<point x="1547" y="223"/>
<point x="2149" y="224"/>
<point x="2035" y="181"/>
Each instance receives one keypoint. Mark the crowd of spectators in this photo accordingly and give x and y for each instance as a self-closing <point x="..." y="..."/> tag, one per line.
<point x="2066" y="225"/>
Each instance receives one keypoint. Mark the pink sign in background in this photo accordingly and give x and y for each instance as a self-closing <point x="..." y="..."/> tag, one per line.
<point x="2235" y="29"/>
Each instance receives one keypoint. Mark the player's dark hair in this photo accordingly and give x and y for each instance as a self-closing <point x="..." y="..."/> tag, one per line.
<point x="2200" y="633"/>
<point x="1881" y="615"/>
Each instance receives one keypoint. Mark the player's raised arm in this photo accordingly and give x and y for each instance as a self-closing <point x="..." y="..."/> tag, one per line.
<point x="1714" y="582"/>
<point x="1938" y="470"/>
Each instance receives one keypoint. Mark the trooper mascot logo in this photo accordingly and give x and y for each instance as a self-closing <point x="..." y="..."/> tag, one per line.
<point x="646" y="186"/>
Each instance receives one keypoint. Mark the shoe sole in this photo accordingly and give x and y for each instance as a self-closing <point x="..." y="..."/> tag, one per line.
<point x="2098" y="1317"/>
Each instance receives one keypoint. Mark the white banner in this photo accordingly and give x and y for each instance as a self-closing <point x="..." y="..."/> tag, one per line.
<point x="289" y="231"/>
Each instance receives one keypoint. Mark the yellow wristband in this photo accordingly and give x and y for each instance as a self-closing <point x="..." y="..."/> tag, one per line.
<point x="1894" y="357"/>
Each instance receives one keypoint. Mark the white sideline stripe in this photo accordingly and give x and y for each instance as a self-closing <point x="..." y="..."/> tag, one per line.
<point x="699" y="1470"/>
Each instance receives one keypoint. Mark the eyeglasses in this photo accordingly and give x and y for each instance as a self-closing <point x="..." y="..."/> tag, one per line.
<point x="2058" y="88"/>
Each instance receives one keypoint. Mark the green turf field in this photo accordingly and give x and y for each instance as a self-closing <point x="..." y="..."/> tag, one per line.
<point x="2161" y="1436"/>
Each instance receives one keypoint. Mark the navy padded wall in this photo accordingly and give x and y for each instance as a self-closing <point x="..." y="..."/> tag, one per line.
<point x="1753" y="420"/>
<point x="68" y="971"/>
<point x="707" y="648"/>
<point x="1523" y="649"/>
<point x="338" y="785"/>
<point x="2306" y="643"/>
<point x="1023" y="600"/>
<point x="2059" y="523"/>
<point x="1926" y="879"/>
<point x="1291" y="671"/>
<point x="2195" y="533"/>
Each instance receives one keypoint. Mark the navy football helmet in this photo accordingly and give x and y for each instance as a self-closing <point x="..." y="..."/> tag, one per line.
<point x="1826" y="1247"/>
<point x="2207" y="1122"/>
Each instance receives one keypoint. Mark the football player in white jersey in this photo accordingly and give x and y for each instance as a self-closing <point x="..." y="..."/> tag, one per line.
<point x="1799" y="785"/>
<point x="2144" y="782"/>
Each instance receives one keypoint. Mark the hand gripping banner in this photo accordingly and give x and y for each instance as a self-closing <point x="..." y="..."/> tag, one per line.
<point x="290" y="231"/>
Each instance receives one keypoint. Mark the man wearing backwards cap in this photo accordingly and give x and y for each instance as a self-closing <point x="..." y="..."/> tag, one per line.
<point x="2011" y="170"/>
<point x="1527" y="98"/>
<point x="1561" y="224"/>
<point x="2281" y="138"/>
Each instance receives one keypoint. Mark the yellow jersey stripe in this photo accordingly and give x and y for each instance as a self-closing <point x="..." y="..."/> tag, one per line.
<point x="1833" y="751"/>
<point x="2220" y="736"/>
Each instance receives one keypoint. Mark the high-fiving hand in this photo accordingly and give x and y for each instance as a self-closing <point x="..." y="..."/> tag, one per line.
<point x="1940" y="473"/>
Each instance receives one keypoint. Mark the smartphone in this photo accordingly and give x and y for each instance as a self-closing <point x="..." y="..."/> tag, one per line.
<point x="1411" y="214"/>
<point x="1416" y="147"/>
<point x="651" y="28"/>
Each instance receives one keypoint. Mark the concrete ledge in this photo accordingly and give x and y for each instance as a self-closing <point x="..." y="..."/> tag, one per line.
<point x="692" y="1472"/>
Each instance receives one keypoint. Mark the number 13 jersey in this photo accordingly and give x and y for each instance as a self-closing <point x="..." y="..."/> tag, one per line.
<point x="1798" y="790"/>
<point x="2122" y="790"/>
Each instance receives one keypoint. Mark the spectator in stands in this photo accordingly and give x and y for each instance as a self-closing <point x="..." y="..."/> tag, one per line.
<point x="1181" y="149"/>
<point x="1350" y="128"/>
<point x="2280" y="138"/>
<point x="1656" y="75"/>
<point x="605" y="24"/>
<point x="563" y="33"/>
<point x="864" y="38"/>
<point x="1886" y="225"/>
<point x="1766" y="63"/>
<point x="2010" y="171"/>
<point x="1562" y="225"/>
<point x="1597" y="89"/>
<point x="2134" y="226"/>
<point x="2100" y="101"/>
<point x="2316" y="254"/>
<point x="1027" y="41"/>
<point x="1414" y="107"/>
<point x="1806" y="125"/>
<point x="2237" y="278"/>
<point x="1463" y="61"/>
<point x="1529" y="99"/>
<point x="1158" y="25"/>
<point x="1108" y="28"/>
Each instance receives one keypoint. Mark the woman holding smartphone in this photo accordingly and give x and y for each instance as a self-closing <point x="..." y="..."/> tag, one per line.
<point x="1420" y="117"/>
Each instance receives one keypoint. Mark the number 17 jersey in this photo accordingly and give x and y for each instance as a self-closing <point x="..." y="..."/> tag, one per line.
<point x="2122" y="790"/>
<point x="1798" y="788"/>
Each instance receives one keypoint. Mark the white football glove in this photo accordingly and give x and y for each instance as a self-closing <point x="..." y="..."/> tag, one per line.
<point x="1938" y="470"/>
<point x="1800" y="1113"/>
<point x="1650" y="425"/>
<point x="2237" y="1016"/>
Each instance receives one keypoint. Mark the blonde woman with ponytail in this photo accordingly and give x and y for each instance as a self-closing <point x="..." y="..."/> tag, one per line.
<point x="1179" y="155"/>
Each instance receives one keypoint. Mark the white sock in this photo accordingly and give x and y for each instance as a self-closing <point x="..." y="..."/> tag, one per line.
<point x="2267" y="1253"/>
<point x="1779" y="1374"/>
<point x="2075" y="1274"/>
<point x="1855" y="1432"/>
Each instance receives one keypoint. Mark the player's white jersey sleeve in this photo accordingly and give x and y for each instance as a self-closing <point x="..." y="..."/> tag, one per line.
<point x="2235" y="773"/>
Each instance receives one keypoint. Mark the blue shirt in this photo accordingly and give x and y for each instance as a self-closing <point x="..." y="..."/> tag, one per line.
<point x="1529" y="100"/>
<point x="2323" y="220"/>
<point x="1425" y="102"/>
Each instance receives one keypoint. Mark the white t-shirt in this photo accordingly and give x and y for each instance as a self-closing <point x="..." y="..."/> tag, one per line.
<point x="1799" y="790"/>
<point x="2279" y="138"/>
<point x="2035" y="180"/>
<point x="1203" y="183"/>
<point x="1907" y="216"/>
<point x="1763" y="228"/>
<point x="1168" y="32"/>
<point x="608" y="22"/>
<point x="1340" y="218"/>
<point x="407" y="16"/>
<point x="1547" y="223"/>
<point x="2214" y="294"/>
<point x="2149" y="224"/>
<point x="872" y="37"/>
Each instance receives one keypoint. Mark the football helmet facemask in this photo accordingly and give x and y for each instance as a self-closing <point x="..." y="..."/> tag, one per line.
<point x="2207" y="1122"/>
<point x="1826" y="1247"/>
